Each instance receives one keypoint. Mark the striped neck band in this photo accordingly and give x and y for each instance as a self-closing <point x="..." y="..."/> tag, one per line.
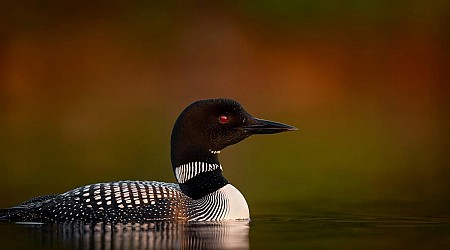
<point x="187" y="171"/>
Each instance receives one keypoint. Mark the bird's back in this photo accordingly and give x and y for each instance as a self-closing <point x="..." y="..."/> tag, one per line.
<point x="116" y="202"/>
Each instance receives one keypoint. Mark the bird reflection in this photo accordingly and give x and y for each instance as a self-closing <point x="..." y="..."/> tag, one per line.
<point x="157" y="235"/>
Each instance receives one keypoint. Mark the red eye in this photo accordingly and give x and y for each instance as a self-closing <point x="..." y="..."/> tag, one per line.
<point x="223" y="119"/>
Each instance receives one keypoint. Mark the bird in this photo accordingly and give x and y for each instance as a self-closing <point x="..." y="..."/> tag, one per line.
<point x="201" y="193"/>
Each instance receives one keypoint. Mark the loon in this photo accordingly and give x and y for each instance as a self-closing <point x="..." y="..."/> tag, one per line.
<point x="201" y="131"/>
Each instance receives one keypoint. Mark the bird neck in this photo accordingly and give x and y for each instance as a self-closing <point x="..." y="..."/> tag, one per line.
<point x="206" y="179"/>
<point x="197" y="171"/>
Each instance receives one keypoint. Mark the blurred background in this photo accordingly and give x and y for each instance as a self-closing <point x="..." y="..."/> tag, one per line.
<point x="89" y="93"/>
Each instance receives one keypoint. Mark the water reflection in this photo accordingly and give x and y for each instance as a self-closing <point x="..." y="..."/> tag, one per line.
<point x="159" y="235"/>
<point x="401" y="228"/>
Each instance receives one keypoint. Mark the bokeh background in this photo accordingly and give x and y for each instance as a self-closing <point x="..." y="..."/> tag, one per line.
<point x="89" y="93"/>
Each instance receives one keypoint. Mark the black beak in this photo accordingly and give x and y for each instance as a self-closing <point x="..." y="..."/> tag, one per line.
<point x="261" y="126"/>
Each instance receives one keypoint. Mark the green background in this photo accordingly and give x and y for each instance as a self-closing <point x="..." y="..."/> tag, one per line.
<point x="89" y="93"/>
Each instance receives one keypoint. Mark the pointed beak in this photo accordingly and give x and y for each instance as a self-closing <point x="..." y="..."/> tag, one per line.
<point x="261" y="126"/>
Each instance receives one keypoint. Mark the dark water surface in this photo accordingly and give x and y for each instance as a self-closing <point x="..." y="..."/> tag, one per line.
<point x="394" y="227"/>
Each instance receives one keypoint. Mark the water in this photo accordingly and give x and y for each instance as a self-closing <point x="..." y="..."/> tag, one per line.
<point x="338" y="228"/>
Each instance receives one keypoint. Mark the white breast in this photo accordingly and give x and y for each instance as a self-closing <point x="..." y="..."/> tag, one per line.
<point x="226" y="203"/>
<point x="238" y="208"/>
